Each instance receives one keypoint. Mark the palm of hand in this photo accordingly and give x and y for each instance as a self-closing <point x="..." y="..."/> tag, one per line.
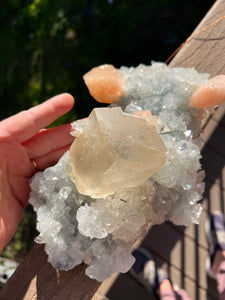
<point x="21" y="141"/>
<point x="16" y="168"/>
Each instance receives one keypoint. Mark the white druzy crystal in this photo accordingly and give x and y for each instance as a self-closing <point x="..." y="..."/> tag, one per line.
<point x="123" y="173"/>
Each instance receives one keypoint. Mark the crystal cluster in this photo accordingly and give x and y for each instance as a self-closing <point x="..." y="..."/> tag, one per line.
<point x="123" y="172"/>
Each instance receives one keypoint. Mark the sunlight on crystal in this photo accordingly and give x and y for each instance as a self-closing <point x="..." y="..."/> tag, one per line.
<point x="115" y="151"/>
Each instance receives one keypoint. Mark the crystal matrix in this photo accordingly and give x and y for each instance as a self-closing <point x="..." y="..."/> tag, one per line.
<point x="117" y="180"/>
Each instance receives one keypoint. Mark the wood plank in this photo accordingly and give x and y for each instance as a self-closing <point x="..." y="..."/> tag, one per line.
<point x="194" y="291"/>
<point x="213" y="137"/>
<point x="128" y="288"/>
<point x="179" y="250"/>
<point x="218" y="116"/>
<point x="214" y="199"/>
<point x="205" y="52"/>
<point x="197" y="232"/>
<point x="186" y="258"/>
<point x="182" y="280"/>
<point x="35" y="278"/>
<point x="105" y="287"/>
<point x="213" y="165"/>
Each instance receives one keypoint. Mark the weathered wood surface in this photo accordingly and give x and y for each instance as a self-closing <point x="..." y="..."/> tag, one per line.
<point x="37" y="279"/>
<point x="181" y="252"/>
<point x="205" y="52"/>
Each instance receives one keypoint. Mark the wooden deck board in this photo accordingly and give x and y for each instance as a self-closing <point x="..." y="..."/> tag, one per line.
<point x="213" y="165"/>
<point x="127" y="288"/>
<point x="205" y="52"/>
<point x="178" y="250"/>
<point x="213" y="138"/>
<point x="219" y="116"/>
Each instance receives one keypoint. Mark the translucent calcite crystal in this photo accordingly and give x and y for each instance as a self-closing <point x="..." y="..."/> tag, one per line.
<point x="115" y="151"/>
<point x="127" y="170"/>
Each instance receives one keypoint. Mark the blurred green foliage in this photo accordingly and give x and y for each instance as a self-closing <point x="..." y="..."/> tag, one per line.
<point x="47" y="45"/>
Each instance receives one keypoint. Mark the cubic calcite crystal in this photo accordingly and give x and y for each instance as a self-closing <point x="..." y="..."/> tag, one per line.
<point x="115" y="151"/>
<point x="132" y="165"/>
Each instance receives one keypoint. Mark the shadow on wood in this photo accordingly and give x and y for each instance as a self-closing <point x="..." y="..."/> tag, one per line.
<point x="37" y="279"/>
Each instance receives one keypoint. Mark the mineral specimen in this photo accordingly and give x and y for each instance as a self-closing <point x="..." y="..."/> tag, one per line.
<point x="133" y="164"/>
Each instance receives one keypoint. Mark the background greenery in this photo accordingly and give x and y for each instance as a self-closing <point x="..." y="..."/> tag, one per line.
<point x="47" y="45"/>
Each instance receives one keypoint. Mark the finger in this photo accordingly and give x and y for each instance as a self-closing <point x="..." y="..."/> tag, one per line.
<point x="49" y="140"/>
<point x="50" y="159"/>
<point x="26" y="124"/>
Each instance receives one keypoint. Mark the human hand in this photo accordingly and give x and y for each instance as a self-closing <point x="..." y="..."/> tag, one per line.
<point x="25" y="147"/>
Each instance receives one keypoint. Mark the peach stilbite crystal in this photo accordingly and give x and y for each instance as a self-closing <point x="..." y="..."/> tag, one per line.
<point x="105" y="83"/>
<point x="115" y="151"/>
<point x="209" y="94"/>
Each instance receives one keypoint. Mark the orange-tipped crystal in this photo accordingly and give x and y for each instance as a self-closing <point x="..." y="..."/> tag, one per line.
<point x="209" y="94"/>
<point x="105" y="83"/>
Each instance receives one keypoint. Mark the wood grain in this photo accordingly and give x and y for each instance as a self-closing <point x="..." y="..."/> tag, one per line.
<point x="205" y="52"/>
<point x="35" y="278"/>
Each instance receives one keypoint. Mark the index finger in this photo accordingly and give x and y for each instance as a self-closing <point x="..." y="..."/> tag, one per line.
<point x="26" y="124"/>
